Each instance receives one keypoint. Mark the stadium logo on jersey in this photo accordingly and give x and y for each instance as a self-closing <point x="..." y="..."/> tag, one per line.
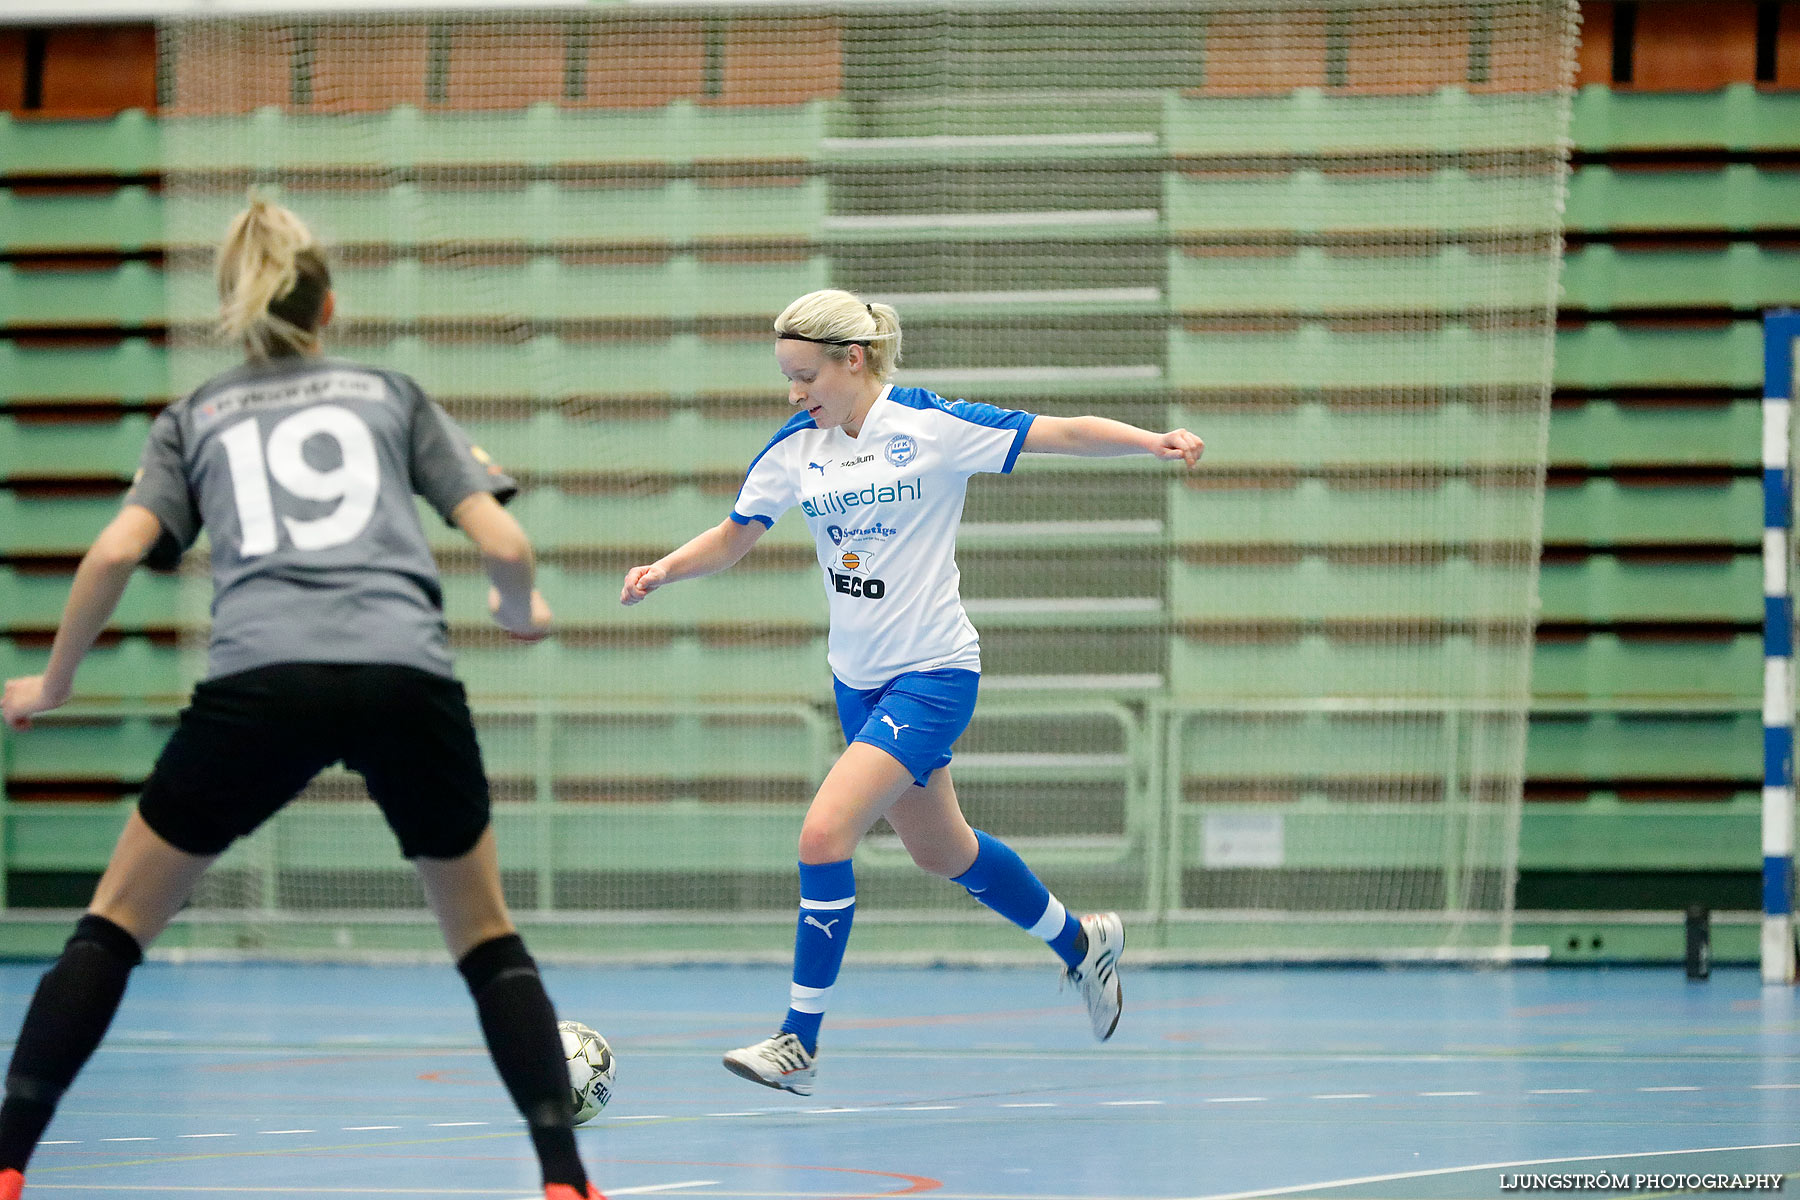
<point x="857" y="462"/>
<point x="900" y="449"/>
<point x="819" y="467"/>
<point x="842" y="502"/>
<point x="855" y="560"/>
<point x="865" y="533"/>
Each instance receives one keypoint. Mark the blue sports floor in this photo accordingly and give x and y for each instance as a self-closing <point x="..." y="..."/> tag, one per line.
<point x="234" y="1080"/>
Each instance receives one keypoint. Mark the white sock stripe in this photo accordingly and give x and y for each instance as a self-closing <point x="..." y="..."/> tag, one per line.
<point x="1051" y="923"/>
<point x="828" y="905"/>
<point x="807" y="999"/>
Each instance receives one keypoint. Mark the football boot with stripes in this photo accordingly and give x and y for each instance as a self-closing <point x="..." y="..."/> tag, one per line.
<point x="777" y="1062"/>
<point x="1097" y="976"/>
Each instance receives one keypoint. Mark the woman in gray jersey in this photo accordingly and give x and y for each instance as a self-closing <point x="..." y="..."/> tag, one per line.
<point x="328" y="644"/>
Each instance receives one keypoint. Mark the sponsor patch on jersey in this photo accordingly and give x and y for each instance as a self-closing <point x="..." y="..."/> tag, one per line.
<point x="839" y="503"/>
<point x="857" y="462"/>
<point x="864" y="533"/>
<point x="311" y="388"/>
<point x="901" y="449"/>
<point x="854" y="560"/>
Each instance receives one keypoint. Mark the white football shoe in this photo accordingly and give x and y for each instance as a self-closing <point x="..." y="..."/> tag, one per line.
<point x="777" y="1062"/>
<point x="1097" y="978"/>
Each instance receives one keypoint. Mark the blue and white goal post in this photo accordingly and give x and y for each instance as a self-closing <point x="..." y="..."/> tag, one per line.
<point x="1781" y="330"/>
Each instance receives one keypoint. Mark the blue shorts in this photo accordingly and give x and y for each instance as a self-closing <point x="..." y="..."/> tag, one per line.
<point x="915" y="717"/>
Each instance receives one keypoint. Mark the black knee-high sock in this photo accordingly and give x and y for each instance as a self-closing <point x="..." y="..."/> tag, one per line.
<point x="520" y="1026"/>
<point x="75" y="1002"/>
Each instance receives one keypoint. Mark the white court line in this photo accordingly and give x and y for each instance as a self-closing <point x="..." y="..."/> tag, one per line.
<point x="363" y="1128"/>
<point x="1234" y="1099"/>
<point x="927" y="1107"/>
<point x="659" y="1187"/>
<point x="1773" y="1087"/>
<point x="454" y="1124"/>
<point x="1449" y="1093"/>
<point x="1297" y="1188"/>
<point x="642" y="1117"/>
<point x="1126" y="1103"/>
<point x="736" y="1114"/>
<point x="205" y="1135"/>
<point x="75" y="1142"/>
<point x="275" y="1131"/>
<point x="129" y="1139"/>
<point x="1345" y="1096"/>
<point x="1668" y="1089"/>
<point x="830" y="1110"/>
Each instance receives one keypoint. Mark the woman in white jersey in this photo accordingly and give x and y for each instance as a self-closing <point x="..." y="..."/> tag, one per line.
<point x="880" y="473"/>
<point x="328" y="643"/>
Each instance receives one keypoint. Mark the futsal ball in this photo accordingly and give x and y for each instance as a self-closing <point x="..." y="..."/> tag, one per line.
<point x="590" y="1062"/>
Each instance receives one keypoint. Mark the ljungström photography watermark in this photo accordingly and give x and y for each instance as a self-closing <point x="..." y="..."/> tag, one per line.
<point x="1669" y="1181"/>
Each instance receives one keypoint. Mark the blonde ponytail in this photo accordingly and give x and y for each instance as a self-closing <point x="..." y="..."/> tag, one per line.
<point x="272" y="282"/>
<point x="837" y="320"/>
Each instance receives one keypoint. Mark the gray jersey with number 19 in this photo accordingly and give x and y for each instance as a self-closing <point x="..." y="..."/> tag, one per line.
<point x="304" y="471"/>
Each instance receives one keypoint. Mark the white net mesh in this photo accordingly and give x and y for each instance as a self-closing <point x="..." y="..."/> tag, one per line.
<point x="1277" y="706"/>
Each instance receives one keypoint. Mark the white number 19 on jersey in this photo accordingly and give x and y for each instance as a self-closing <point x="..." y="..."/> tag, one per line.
<point x="355" y="483"/>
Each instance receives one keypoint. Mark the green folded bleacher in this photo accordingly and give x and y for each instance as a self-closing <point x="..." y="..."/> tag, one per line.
<point x="1737" y="275"/>
<point x="1739" y="116"/>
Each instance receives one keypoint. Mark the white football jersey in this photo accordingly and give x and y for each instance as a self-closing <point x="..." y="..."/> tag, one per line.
<point x="883" y="508"/>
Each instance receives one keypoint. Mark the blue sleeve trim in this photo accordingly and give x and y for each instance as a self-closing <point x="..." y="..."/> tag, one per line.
<point x="987" y="414"/>
<point x="794" y="425"/>
<point x="1012" y="455"/>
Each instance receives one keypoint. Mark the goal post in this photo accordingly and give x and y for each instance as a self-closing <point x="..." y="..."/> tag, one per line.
<point x="1781" y="330"/>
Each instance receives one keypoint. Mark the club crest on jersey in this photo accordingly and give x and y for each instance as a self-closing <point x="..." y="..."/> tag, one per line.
<point x="900" y="449"/>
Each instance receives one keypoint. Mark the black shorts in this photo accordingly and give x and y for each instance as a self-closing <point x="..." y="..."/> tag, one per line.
<point x="249" y="742"/>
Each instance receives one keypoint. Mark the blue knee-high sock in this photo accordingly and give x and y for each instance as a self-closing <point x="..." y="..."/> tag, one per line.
<point x="1000" y="879"/>
<point x="827" y="906"/>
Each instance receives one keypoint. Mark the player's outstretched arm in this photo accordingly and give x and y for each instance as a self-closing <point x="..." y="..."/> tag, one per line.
<point x="515" y="604"/>
<point x="1102" y="437"/>
<point x="705" y="554"/>
<point x="99" y="582"/>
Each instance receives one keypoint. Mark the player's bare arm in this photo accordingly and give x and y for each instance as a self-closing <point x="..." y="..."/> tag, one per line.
<point x="1102" y="437"/>
<point x="100" y="580"/>
<point x="704" y="554"/>
<point x="516" y="605"/>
